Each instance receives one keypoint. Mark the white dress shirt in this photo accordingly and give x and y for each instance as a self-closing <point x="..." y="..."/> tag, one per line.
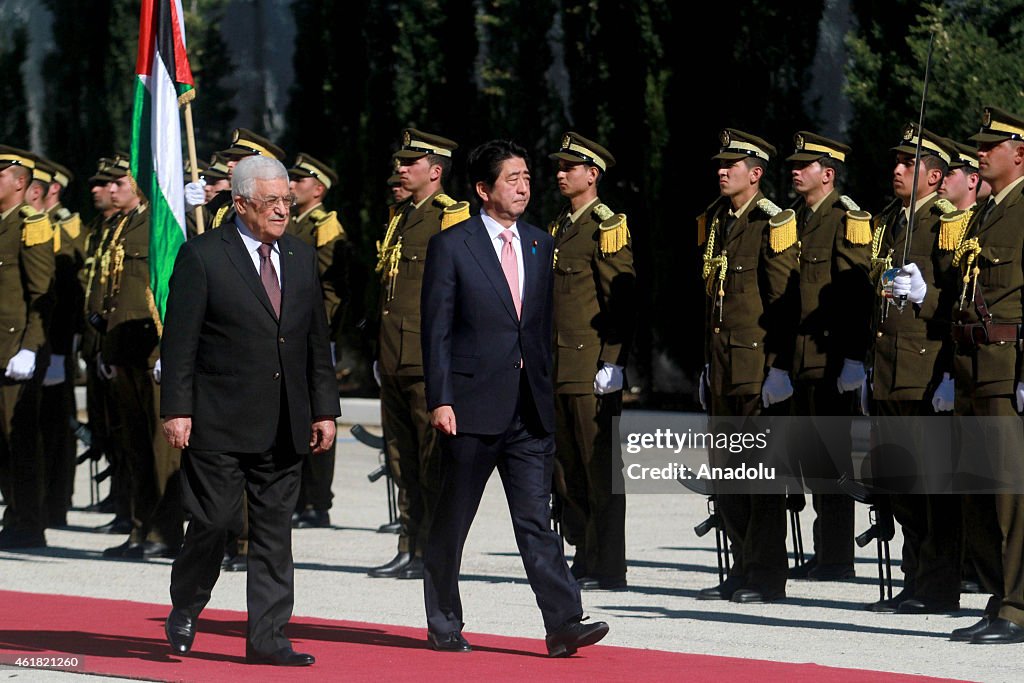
<point x="252" y="245"/>
<point x="494" y="229"/>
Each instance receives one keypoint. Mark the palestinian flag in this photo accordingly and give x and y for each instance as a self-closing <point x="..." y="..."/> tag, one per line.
<point x="164" y="82"/>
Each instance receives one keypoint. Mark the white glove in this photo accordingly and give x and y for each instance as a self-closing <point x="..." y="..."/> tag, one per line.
<point x="851" y="377"/>
<point x="776" y="387"/>
<point x="705" y="375"/>
<point x="608" y="379"/>
<point x="156" y="371"/>
<point x="1020" y="397"/>
<point x="376" y="371"/>
<point x="22" y="365"/>
<point x="195" y="195"/>
<point x="942" y="401"/>
<point x="864" y="389"/>
<point x="54" y="371"/>
<point x="910" y="284"/>
<point x="105" y="371"/>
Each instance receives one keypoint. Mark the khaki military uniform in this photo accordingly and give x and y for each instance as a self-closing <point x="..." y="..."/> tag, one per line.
<point x="835" y="325"/>
<point x="26" y="303"/>
<point x="750" y="318"/>
<point x="986" y="375"/>
<point x="410" y="440"/>
<point x="911" y="351"/>
<point x="322" y="229"/>
<point x="593" y="324"/>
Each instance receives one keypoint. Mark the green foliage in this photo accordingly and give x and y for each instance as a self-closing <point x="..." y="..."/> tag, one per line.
<point x="13" y="107"/>
<point x="210" y="59"/>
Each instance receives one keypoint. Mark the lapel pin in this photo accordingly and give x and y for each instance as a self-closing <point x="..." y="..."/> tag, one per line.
<point x="533" y="249"/>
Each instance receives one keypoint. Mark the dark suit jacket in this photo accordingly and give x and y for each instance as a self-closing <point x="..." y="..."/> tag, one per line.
<point x="225" y="355"/>
<point x="472" y="340"/>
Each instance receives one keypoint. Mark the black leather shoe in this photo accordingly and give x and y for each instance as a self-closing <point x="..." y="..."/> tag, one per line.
<point x="313" y="519"/>
<point x="578" y="569"/>
<point x="413" y="570"/>
<point x="390" y="528"/>
<point x="118" y="525"/>
<point x="180" y="630"/>
<point x="147" y="550"/>
<point x="722" y="591"/>
<point x="593" y="583"/>
<point x="801" y="571"/>
<point x="286" y="656"/>
<point x="14" y="539"/>
<point x="751" y="595"/>
<point x="925" y="606"/>
<point x="235" y="563"/>
<point x="448" y="642"/>
<point x="1000" y="631"/>
<point x="969" y="586"/>
<point x="121" y="551"/>
<point x="573" y="635"/>
<point x="392" y="568"/>
<point x="891" y="605"/>
<point x="832" y="572"/>
<point x="964" y="635"/>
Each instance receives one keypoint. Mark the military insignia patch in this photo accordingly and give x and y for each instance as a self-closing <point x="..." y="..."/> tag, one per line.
<point x="724" y="138"/>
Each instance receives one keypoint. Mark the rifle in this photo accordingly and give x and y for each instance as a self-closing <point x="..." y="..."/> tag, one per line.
<point x="713" y="521"/>
<point x="373" y="441"/>
<point x="881" y="531"/>
<point x="795" y="503"/>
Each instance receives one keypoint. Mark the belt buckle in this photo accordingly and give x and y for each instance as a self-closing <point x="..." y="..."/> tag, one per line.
<point x="979" y="334"/>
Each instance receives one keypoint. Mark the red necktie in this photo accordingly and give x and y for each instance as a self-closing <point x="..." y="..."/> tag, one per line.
<point x="269" y="277"/>
<point x="511" y="269"/>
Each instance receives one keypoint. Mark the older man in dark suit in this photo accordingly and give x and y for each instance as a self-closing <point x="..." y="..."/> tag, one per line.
<point x="248" y="388"/>
<point x="486" y="311"/>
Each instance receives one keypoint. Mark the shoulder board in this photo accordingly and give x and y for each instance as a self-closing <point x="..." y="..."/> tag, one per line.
<point x="444" y="201"/>
<point x="328" y="227"/>
<point x="218" y="217"/>
<point x="944" y="206"/>
<point x="72" y="225"/>
<point x="783" y="227"/>
<point x="848" y="203"/>
<point x="141" y="208"/>
<point x="36" y="228"/>
<point x="858" y="227"/>
<point x="770" y="207"/>
<point x="602" y="212"/>
<point x="318" y="215"/>
<point x="614" y="233"/>
<point x="63" y="214"/>
<point x="456" y="212"/>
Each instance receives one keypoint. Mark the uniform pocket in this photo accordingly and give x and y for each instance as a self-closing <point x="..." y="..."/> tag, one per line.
<point x="410" y="353"/>
<point x="746" y="356"/>
<point x="915" y="361"/>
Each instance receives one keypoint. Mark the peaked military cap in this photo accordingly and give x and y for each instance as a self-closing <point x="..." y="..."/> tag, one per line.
<point x="739" y="145"/>
<point x="416" y="144"/>
<point x="577" y="148"/>
<point x="811" y="147"/>
<point x="217" y="169"/>
<point x="102" y="174"/>
<point x="966" y="157"/>
<point x="120" y="165"/>
<point x="931" y="143"/>
<point x="12" y="156"/>
<point x="306" y="166"/>
<point x="998" y="125"/>
<point x="43" y="170"/>
<point x="187" y="168"/>
<point x="395" y="178"/>
<point x="61" y="174"/>
<point x="245" y="143"/>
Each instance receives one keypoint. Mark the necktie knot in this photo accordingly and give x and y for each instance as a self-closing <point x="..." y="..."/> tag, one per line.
<point x="507" y="235"/>
<point x="265" y="251"/>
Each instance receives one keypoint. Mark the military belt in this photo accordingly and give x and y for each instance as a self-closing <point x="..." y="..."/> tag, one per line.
<point x="967" y="336"/>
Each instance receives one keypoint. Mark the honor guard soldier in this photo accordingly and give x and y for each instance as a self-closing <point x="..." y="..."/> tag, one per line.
<point x="411" y="442"/>
<point x="989" y="374"/>
<point x="832" y="338"/>
<point x="962" y="183"/>
<point x="310" y="181"/>
<point x="912" y="358"/>
<point x="750" y="269"/>
<point x="593" y="324"/>
<point x="26" y="301"/>
<point x="58" y="396"/>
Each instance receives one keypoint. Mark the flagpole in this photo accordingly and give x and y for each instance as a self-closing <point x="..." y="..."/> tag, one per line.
<point x="190" y="135"/>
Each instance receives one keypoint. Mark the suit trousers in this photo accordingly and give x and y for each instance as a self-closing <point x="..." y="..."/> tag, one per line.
<point x="593" y="518"/>
<point x="213" y="483"/>
<point x="524" y="457"/>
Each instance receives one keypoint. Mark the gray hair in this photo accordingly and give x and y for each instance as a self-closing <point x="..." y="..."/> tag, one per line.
<point x="253" y="168"/>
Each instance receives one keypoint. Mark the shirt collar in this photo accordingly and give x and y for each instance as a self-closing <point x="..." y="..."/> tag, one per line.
<point x="1007" y="190"/>
<point x="251" y="243"/>
<point x="494" y="228"/>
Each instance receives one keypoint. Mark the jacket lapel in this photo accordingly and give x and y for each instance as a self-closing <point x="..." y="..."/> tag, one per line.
<point x="479" y="244"/>
<point x="239" y="257"/>
<point x="530" y="259"/>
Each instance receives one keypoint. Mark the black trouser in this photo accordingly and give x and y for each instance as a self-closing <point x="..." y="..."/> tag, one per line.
<point x="57" y="407"/>
<point x="212" y="485"/>
<point x="524" y="458"/>
<point x="21" y="466"/>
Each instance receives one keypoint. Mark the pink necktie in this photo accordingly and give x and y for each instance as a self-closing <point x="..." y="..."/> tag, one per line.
<point x="511" y="269"/>
<point x="268" y="275"/>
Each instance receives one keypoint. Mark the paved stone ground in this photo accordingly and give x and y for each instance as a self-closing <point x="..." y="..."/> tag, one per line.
<point x="820" y="622"/>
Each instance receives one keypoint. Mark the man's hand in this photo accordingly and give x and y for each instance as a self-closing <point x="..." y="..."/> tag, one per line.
<point x="54" y="371"/>
<point x="442" y="419"/>
<point x="322" y="434"/>
<point x="910" y="283"/>
<point x="776" y="388"/>
<point x="22" y="365"/>
<point x="608" y="379"/>
<point x="195" y="193"/>
<point x="157" y="371"/>
<point x="851" y="377"/>
<point x="945" y="395"/>
<point x="177" y="430"/>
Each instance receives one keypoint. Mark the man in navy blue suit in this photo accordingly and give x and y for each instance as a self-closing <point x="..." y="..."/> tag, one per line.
<point x="486" y="323"/>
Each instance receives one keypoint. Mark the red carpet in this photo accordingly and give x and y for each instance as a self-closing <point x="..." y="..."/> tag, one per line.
<point x="121" y="638"/>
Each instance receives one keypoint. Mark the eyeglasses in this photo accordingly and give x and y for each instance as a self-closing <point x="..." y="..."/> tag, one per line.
<point x="265" y="203"/>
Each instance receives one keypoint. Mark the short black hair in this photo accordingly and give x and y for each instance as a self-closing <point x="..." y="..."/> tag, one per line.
<point x="485" y="160"/>
<point x="755" y="162"/>
<point x="932" y="162"/>
<point x="838" y="167"/>
<point x="444" y="162"/>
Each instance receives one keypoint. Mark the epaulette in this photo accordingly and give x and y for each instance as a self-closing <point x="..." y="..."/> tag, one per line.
<point x="63" y="214"/>
<point x="614" y="233"/>
<point x="944" y="206"/>
<point x="72" y="224"/>
<point x="443" y="201"/>
<point x="952" y="227"/>
<point x="328" y="227"/>
<point x="848" y="203"/>
<point x="769" y="207"/>
<point x="36" y="227"/>
<point x="453" y="213"/>
<point x="782" y="226"/>
<point x="602" y="212"/>
<point x="858" y="226"/>
<point x="218" y="217"/>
